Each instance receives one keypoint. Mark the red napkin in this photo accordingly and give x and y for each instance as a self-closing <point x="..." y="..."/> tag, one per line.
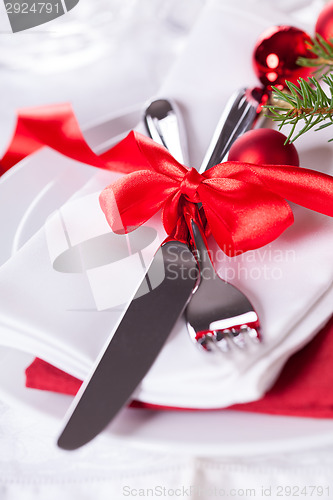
<point x="304" y="388"/>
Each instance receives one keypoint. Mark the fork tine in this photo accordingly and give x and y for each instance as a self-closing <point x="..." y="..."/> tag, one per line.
<point x="211" y="343"/>
<point x="216" y="346"/>
<point x="237" y="337"/>
<point x="254" y="335"/>
<point x="222" y="342"/>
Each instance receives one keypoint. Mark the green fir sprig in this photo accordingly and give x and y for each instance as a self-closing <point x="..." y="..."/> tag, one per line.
<point x="307" y="103"/>
<point x="323" y="51"/>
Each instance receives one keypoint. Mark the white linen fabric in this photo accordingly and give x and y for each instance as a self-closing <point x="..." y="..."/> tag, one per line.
<point x="64" y="313"/>
<point x="33" y="468"/>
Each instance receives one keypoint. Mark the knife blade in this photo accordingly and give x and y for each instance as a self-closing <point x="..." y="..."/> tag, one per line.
<point x="134" y="346"/>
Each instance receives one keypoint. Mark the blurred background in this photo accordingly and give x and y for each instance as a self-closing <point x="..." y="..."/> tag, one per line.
<point x="101" y="56"/>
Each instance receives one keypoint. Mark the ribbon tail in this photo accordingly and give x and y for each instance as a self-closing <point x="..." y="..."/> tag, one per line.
<point x="53" y="126"/>
<point x="308" y="188"/>
<point x="56" y="127"/>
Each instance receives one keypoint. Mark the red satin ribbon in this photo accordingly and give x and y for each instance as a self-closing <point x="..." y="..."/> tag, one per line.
<point x="56" y="126"/>
<point x="243" y="205"/>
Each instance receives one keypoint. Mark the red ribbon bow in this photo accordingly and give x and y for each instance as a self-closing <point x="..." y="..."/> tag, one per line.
<point x="243" y="205"/>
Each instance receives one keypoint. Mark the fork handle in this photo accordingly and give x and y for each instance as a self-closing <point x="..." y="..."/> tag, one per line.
<point x="201" y="252"/>
<point x="238" y="116"/>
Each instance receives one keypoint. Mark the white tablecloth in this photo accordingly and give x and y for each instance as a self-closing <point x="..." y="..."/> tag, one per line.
<point x="130" y="68"/>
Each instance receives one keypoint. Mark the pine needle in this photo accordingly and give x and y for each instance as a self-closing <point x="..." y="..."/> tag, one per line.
<point x="307" y="103"/>
<point x="323" y="50"/>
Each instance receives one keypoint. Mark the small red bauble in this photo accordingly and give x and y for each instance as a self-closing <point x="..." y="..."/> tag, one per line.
<point x="264" y="146"/>
<point x="275" y="55"/>
<point x="324" y="24"/>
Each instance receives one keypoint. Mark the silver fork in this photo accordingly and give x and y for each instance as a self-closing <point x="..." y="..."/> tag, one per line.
<point x="218" y="314"/>
<point x="239" y="116"/>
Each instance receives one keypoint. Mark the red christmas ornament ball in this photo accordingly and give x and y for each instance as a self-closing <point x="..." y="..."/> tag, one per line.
<point x="264" y="146"/>
<point x="275" y="55"/>
<point x="324" y="24"/>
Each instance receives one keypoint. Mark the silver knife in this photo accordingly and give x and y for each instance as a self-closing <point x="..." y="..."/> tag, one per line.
<point x="139" y="336"/>
<point x="133" y="348"/>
